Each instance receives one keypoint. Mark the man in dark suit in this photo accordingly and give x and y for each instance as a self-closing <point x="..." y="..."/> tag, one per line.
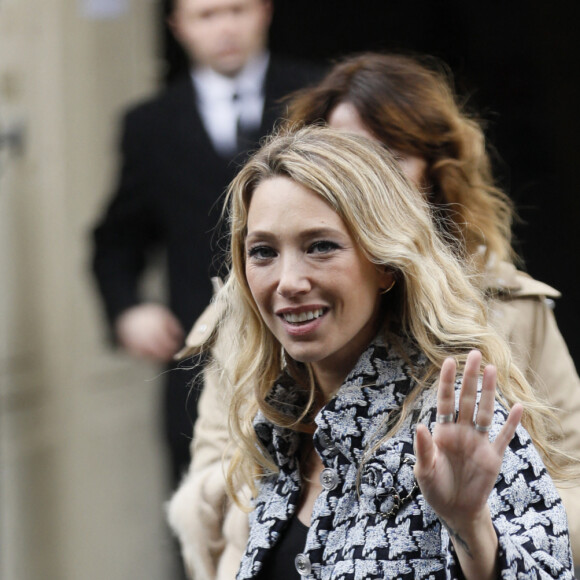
<point x="179" y="151"/>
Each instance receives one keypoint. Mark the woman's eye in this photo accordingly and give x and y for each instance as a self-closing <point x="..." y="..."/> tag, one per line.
<point x="323" y="247"/>
<point x="261" y="253"/>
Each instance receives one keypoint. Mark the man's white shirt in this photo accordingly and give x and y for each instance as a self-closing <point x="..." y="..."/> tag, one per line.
<point x="225" y="103"/>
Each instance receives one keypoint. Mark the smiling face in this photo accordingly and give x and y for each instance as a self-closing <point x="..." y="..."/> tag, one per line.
<point x="315" y="289"/>
<point x="345" y="117"/>
<point x="222" y="34"/>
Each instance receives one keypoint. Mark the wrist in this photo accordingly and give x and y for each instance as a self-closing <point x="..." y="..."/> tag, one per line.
<point x="472" y="525"/>
<point x="476" y="545"/>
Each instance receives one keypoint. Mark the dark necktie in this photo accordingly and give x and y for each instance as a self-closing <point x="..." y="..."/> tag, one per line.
<point x="246" y="136"/>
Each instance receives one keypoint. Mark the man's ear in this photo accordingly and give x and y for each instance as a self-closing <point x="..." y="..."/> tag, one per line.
<point x="269" y="8"/>
<point x="172" y="21"/>
<point x="172" y="25"/>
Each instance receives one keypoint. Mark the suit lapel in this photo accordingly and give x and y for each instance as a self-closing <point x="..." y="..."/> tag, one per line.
<point x="273" y="91"/>
<point x="186" y="122"/>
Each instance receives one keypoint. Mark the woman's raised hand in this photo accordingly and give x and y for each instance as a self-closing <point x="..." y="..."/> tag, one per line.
<point x="457" y="466"/>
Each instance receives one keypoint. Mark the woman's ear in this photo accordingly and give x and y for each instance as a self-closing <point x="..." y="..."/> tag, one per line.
<point x="387" y="280"/>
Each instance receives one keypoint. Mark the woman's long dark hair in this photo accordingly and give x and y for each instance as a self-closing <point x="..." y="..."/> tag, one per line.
<point x="410" y="105"/>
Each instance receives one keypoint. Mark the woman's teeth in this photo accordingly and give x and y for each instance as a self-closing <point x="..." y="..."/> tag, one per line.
<point x="303" y="316"/>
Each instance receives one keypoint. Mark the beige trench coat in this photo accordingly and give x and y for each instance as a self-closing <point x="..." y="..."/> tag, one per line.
<point x="213" y="532"/>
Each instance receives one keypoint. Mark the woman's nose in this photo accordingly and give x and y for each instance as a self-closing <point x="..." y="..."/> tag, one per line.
<point x="293" y="277"/>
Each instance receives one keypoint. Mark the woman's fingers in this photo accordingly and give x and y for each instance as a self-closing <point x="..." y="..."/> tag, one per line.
<point x="508" y="430"/>
<point x="467" y="402"/>
<point x="484" y="417"/>
<point x="468" y="393"/>
<point x="446" y="393"/>
<point x="424" y="451"/>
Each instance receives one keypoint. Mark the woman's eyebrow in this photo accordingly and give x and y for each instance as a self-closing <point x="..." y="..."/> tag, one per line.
<point x="313" y="232"/>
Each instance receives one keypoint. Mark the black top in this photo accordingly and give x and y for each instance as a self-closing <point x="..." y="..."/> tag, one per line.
<point x="280" y="561"/>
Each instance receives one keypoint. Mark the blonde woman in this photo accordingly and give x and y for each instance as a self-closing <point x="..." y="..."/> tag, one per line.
<point x="348" y="315"/>
<point x="409" y="107"/>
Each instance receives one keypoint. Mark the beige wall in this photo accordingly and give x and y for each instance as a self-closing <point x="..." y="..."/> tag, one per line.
<point x="81" y="475"/>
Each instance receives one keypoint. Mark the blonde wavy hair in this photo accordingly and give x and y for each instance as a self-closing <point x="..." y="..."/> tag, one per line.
<point x="408" y="103"/>
<point x="434" y="302"/>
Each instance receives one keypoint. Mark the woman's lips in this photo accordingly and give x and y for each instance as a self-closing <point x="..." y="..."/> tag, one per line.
<point x="304" y="321"/>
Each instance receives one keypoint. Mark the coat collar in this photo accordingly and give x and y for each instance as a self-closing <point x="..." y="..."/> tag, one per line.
<point x="505" y="280"/>
<point x="384" y="375"/>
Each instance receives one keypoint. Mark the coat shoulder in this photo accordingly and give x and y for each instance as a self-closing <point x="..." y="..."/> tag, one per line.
<point x="161" y="103"/>
<point x="203" y="332"/>
<point x="508" y="282"/>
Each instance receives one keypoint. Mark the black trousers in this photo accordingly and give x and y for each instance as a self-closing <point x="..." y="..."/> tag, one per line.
<point x="183" y="384"/>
